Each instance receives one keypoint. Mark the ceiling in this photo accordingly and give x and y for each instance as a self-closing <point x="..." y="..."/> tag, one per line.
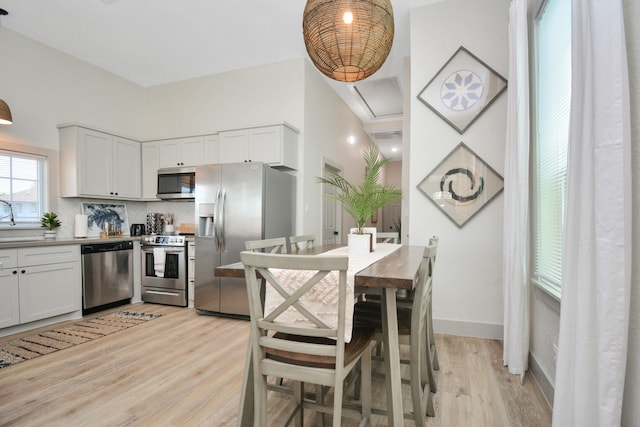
<point x="151" y="42"/>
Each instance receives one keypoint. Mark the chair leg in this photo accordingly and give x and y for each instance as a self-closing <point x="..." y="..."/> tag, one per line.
<point x="430" y="360"/>
<point x="260" y="398"/>
<point x="298" y="392"/>
<point x="319" y="401"/>
<point x="365" y="384"/>
<point x="337" y="403"/>
<point x="416" y="385"/>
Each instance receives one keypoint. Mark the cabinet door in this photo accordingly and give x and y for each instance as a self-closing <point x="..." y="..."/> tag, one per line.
<point x="9" y="297"/>
<point x="265" y="144"/>
<point x="169" y="153"/>
<point x="94" y="158"/>
<point x="150" y="164"/>
<point x="211" y="149"/>
<point x="126" y="168"/>
<point x="49" y="290"/>
<point x="192" y="151"/>
<point x="234" y="146"/>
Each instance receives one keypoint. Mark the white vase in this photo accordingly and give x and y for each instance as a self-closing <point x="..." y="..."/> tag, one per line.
<point x="359" y="243"/>
<point x="50" y="234"/>
<point x="370" y="230"/>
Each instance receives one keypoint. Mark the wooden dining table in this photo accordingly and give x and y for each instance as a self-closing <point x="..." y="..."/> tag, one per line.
<point x="397" y="271"/>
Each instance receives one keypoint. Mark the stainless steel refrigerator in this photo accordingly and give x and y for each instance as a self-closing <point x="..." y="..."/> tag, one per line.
<point x="234" y="203"/>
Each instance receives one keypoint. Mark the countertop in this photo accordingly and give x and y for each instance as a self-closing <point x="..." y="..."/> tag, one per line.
<point x="7" y="243"/>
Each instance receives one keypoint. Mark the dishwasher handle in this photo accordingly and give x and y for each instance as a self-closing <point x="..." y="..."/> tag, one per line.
<point x="106" y="247"/>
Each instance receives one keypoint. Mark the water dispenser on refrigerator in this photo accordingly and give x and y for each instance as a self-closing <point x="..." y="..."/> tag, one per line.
<point x="206" y="219"/>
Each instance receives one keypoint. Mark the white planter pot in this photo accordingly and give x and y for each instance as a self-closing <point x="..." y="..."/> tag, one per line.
<point x="50" y="234"/>
<point x="370" y="230"/>
<point x="359" y="243"/>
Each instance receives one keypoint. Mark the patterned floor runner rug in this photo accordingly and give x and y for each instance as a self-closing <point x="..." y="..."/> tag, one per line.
<point x="49" y="341"/>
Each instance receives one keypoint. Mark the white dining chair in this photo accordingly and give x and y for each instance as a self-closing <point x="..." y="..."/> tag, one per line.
<point x="413" y="330"/>
<point x="388" y="236"/>
<point x="311" y="348"/>
<point x="301" y="241"/>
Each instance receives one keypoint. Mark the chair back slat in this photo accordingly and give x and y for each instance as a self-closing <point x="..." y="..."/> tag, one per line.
<point x="302" y="241"/>
<point x="387" y="236"/>
<point x="276" y="244"/>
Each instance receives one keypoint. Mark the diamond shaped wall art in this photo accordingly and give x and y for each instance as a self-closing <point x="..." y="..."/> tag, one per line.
<point x="462" y="90"/>
<point x="461" y="184"/>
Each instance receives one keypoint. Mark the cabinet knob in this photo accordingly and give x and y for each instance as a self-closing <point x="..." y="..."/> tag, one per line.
<point x="23" y="271"/>
<point x="15" y="271"/>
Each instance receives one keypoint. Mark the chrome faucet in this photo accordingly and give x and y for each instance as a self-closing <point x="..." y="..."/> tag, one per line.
<point x="11" y="219"/>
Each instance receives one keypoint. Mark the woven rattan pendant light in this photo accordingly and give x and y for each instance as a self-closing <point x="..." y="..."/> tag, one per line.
<point x="348" y="51"/>
<point x="5" y="114"/>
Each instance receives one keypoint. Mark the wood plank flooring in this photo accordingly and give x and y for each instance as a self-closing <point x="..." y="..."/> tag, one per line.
<point x="185" y="369"/>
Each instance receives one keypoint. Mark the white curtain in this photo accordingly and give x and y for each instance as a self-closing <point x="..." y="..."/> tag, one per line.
<point x="594" y="319"/>
<point x="516" y="197"/>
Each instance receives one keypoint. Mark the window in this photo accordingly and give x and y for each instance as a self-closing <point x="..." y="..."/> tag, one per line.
<point x="21" y="184"/>
<point x="553" y="102"/>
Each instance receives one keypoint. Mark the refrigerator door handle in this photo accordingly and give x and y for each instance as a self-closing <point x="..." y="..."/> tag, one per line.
<point x="217" y="221"/>
<point x="223" y="197"/>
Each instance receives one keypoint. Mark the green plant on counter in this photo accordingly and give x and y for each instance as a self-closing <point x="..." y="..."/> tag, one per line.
<point x="362" y="201"/>
<point x="50" y="221"/>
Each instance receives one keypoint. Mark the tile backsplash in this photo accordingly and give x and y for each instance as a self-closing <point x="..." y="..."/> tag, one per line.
<point x="184" y="212"/>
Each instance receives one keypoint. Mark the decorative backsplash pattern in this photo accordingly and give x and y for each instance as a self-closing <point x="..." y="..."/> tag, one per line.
<point x="136" y="212"/>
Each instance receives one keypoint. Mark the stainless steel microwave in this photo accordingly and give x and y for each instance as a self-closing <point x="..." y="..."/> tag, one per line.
<point x="176" y="183"/>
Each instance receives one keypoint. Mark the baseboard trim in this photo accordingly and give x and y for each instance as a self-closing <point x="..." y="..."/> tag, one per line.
<point x="541" y="378"/>
<point x="468" y="329"/>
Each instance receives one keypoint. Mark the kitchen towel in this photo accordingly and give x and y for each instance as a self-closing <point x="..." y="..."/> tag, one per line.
<point x="158" y="261"/>
<point x="81" y="229"/>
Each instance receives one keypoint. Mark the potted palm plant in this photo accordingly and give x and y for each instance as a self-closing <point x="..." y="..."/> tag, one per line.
<point x="50" y="222"/>
<point x="363" y="200"/>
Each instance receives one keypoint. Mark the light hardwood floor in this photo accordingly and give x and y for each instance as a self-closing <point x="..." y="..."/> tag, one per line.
<point x="185" y="369"/>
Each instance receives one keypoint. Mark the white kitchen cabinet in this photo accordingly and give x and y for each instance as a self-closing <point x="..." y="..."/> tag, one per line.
<point x="99" y="165"/>
<point x="211" y="149"/>
<point x="181" y="152"/>
<point x="274" y="145"/>
<point x="150" y="165"/>
<point x="45" y="282"/>
<point x="9" y="291"/>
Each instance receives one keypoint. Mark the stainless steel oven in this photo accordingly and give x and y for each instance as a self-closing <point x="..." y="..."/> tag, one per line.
<point x="164" y="270"/>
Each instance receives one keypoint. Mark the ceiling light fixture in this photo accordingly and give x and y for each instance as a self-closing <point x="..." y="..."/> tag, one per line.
<point x="348" y="40"/>
<point x="5" y="114"/>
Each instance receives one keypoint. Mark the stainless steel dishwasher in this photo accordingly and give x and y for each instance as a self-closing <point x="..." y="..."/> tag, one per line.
<point x="107" y="275"/>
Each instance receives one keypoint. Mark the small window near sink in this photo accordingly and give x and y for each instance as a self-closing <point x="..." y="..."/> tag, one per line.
<point x="22" y="180"/>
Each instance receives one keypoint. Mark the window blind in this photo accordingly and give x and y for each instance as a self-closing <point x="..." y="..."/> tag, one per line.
<point x="553" y="103"/>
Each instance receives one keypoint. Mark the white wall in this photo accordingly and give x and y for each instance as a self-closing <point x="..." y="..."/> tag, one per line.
<point x="328" y="125"/>
<point x="468" y="277"/>
<point x="45" y="87"/>
<point x="267" y="94"/>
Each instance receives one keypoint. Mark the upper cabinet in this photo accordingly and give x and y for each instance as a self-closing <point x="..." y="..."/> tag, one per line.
<point x="274" y="145"/>
<point x="181" y="152"/>
<point x="99" y="165"/>
<point x="150" y="165"/>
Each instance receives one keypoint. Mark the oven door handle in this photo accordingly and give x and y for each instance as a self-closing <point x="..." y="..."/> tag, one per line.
<point x="166" y="251"/>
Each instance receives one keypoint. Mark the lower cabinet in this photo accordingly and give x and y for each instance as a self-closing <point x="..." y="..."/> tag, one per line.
<point x="39" y="282"/>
